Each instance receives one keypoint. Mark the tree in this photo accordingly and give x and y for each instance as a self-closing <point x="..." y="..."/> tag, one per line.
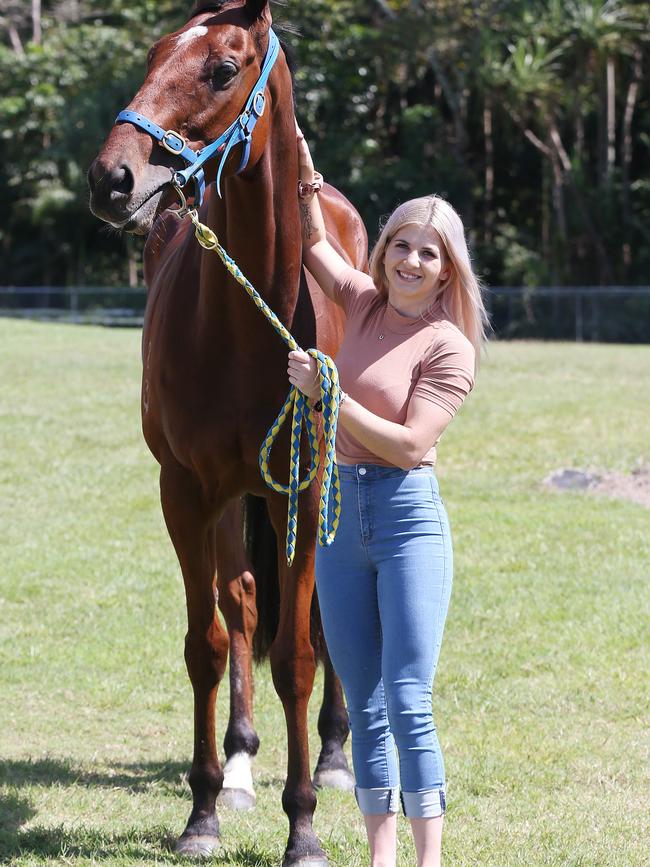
<point x="530" y="116"/>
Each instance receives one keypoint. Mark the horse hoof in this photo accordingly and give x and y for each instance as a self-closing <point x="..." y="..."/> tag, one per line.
<point x="236" y="799"/>
<point x="334" y="779"/>
<point x="196" y="847"/>
<point x="310" y="861"/>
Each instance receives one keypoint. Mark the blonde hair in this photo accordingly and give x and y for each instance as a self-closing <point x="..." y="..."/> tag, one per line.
<point x="460" y="298"/>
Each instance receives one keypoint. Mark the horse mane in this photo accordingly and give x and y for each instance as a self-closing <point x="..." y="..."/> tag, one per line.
<point x="202" y="6"/>
<point x="214" y="6"/>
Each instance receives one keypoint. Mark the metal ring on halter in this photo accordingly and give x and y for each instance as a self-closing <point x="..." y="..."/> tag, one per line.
<point x="178" y="180"/>
<point x="259" y="103"/>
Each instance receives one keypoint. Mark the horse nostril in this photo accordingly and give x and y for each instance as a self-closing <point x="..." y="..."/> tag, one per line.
<point x="113" y="183"/>
<point x="122" y="180"/>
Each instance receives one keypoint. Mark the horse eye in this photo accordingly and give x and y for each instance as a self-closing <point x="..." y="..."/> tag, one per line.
<point x="223" y="74"/>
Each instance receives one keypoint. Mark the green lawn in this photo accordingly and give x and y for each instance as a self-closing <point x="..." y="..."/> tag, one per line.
<point x="541" y="697"/>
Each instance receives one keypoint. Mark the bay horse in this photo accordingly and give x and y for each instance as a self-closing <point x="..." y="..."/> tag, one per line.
<point x="214" y="378"/>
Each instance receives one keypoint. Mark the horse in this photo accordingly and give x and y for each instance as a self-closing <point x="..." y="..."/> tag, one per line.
<point x="214" y="377"/>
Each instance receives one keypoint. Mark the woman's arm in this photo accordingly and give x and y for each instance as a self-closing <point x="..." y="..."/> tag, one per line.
<point x="403" y="445"/>
<point x="322" y="260"/>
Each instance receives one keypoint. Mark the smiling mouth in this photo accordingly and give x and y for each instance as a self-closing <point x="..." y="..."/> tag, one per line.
<point x="406" y="276"/>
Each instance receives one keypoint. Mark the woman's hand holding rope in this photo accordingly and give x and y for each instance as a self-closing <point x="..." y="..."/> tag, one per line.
<point x="303" y="373"/>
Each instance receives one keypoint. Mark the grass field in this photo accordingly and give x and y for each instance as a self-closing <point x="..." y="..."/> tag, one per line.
<point x="541" y="698"/>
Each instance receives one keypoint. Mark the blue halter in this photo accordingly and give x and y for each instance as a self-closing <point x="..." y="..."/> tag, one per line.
<point x="240" y="131"/>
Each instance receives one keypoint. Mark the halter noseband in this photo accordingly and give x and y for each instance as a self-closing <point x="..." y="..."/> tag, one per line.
<point x="240" y="131"/>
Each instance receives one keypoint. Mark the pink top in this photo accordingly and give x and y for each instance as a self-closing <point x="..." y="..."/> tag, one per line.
<point x="386" y="358"/>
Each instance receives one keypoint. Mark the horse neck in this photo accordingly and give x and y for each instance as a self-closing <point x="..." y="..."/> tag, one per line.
<point x="258" y="223"/>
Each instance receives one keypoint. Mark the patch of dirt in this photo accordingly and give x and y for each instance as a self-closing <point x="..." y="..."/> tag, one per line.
<point x="634" y="487"/>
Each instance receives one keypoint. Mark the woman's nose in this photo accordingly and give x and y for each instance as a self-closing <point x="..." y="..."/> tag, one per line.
<point x="413" y="259"/>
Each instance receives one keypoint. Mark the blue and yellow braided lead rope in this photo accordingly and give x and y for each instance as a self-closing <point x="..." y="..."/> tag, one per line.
<point x="303" y="412"/>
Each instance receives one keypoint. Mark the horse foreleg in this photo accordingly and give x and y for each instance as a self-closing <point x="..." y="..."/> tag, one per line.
<point x="206" y="647"/>
<point x="236" y="587"/>
<point x="293" y="667"/>
<point x="332" y="769"/>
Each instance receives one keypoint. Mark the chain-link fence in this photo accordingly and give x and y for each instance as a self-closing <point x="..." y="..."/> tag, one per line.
<point x="618" y="314"/>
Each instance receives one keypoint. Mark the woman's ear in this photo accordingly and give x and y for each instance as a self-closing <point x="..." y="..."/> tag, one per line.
<point x="446" y="275"/>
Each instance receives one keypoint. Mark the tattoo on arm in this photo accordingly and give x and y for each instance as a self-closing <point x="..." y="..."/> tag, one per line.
<point x="307" y="220"/>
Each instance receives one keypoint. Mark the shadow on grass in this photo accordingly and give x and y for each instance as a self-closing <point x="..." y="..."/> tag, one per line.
<point x="58" y="843"/>
<point x="172" y="776"/>
<point x="15" y="810"/>
<point x="132" y="777"/>
<point x="55" y="843"/>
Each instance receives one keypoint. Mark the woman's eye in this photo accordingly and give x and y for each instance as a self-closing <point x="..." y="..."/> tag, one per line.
<point x="223" y="74"/>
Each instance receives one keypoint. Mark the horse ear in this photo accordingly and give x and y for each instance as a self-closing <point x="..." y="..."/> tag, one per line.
<point x="255" y="8"/>
<point x="258" y="9"/>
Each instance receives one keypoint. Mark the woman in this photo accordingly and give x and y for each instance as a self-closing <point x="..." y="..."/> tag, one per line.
<point x="414" y="329"/>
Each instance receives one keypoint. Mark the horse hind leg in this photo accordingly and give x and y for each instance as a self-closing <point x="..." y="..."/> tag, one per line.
<point x="332" y="769"/>
<point x="236" y="587"/>
<point x="206" y="647"/>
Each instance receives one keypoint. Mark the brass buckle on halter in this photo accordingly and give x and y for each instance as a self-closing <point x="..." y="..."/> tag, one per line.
<point x="173" y="142"/>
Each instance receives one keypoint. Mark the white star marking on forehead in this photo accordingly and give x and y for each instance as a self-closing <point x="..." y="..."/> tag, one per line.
<point x="192" y="33"/>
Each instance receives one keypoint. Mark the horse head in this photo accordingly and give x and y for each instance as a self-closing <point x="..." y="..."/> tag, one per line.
<point x="197" y="83"/>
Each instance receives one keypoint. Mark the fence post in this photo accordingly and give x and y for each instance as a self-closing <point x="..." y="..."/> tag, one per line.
<point x="595" y="317"/>
<point x="579" y="320"/>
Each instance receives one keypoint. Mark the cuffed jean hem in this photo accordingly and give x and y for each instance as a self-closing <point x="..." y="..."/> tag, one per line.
<point x="377" y="802"/>
<point x="424" y="805"/>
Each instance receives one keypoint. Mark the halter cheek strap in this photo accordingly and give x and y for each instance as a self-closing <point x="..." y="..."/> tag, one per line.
<point x="239" y="132"/>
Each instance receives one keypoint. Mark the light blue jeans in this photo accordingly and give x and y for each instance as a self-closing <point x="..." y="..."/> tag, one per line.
<point x="383" y="588"/>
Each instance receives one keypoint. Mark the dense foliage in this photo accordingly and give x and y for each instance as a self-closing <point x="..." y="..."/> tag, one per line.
<point x="531" y="116"/>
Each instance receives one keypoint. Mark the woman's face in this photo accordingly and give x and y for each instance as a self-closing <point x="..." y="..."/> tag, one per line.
<point x="415" y="263"/>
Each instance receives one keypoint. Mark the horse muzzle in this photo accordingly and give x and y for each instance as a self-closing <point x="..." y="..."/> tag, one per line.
<point x="117" y="199"/>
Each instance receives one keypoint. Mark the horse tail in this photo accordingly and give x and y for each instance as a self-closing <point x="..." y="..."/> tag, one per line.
<point x="262" y="549"/>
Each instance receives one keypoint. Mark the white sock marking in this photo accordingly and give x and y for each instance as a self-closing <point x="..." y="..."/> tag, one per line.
<point x="237" y="773"/>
